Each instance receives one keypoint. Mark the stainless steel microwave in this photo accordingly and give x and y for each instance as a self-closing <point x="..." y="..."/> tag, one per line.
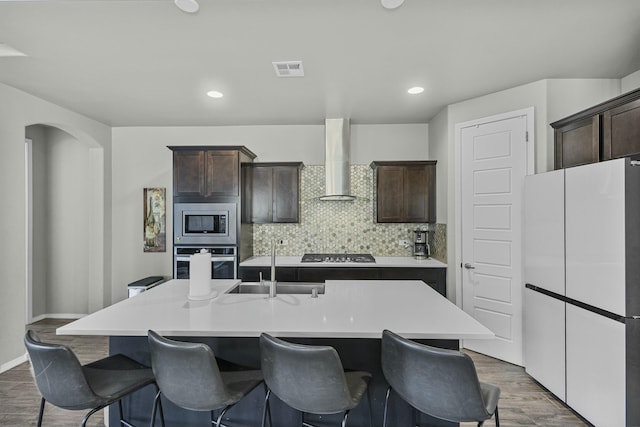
<point x="204" y="224"/>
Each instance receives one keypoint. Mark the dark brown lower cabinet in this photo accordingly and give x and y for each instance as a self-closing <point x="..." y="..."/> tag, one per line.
<point x="434" y="277"/>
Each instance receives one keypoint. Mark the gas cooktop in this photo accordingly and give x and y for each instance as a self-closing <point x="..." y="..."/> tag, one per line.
<point x="338" y="258"/>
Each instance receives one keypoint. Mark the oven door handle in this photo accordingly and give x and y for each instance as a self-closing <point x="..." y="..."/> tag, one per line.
<point x="213" y="259"/>
<point x="223" y="258"/>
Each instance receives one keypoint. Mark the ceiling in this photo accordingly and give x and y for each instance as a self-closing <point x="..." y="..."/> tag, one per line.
<point x="146" y="63"/>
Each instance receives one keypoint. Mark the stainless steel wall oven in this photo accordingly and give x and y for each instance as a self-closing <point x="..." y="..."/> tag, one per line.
<point x="224" y="262"/>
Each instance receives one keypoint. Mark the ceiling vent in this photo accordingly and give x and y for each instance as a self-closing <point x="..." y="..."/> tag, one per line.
<point x="288" y="68"/>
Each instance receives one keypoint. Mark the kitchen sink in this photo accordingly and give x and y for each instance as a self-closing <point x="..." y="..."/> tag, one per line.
<point x="281" y="288"/>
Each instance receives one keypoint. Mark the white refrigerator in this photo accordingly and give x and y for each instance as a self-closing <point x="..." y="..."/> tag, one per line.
<point x="582" y="296"/>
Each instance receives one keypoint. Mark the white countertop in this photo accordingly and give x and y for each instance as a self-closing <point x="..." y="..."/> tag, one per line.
<point x="348" y="309"/>
<point x="381" y="261"/>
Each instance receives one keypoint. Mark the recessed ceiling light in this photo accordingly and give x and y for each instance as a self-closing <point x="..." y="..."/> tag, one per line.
<point x="215" y="94"/>
<point x="415" y="90"/>
<point x="392" y="4"/>
<point x="187" y="6"/>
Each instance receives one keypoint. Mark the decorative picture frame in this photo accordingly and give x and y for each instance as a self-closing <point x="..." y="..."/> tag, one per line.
<point x="154" y="220"/>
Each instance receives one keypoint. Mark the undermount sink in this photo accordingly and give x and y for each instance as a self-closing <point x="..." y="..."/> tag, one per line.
<point x="281" y="288"/>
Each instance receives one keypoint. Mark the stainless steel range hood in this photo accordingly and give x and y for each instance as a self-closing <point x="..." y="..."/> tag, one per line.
<point x="337" y="153"/>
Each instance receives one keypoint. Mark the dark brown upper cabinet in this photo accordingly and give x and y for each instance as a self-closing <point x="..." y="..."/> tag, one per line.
<point x="621" y="131"/>
<point x="606" y="131"/>
<point x="202" y="173"/>
<point x="405" y="191"/>
<point x="271" y="192"/>
<point x="578" y="143"/>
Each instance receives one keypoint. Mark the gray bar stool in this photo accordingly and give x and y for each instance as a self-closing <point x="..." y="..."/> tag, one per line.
<point x="65" y="383"/>
<point x="438" y="382"/>
<point x="188" y="375"/>
<point x="310" y="379"/>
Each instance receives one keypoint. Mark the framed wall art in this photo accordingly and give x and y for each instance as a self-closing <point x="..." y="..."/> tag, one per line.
<point x="154" y="223"/>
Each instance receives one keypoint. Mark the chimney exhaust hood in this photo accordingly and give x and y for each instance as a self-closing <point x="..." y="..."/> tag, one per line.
<point x="337" y="152"/>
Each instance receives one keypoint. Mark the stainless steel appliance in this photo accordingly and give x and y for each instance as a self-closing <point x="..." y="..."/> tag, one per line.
<point x="421" y="244"/>
<point x="204" y="224"/>
<point x="224" y="263"/>
<point x="338" y="258"/>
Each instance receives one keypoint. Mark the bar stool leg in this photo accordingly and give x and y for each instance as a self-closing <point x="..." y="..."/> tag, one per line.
<point x="386" y="406"/>
<point x="266" y="409"/>
<point x="344" y="419"/>
<point x="41" y="413"/>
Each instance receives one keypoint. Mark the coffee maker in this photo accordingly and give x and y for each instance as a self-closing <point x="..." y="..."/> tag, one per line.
<point x="421" y="244"/>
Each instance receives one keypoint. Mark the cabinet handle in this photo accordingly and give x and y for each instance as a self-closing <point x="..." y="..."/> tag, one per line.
<point x="469" y="266"/>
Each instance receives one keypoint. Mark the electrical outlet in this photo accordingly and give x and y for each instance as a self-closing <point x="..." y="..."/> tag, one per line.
<point x="403" y="242"/>
<point x="282" y="242"/>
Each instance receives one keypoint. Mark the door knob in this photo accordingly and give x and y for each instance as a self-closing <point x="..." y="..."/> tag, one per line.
<point x="469" y="266"/>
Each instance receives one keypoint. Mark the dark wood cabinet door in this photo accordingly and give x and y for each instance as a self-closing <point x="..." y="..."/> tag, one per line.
<point x="285" y="194"/>
<point x="188" y="172"/>
<point x="419" y="194"/>
<point x="252" y="274"/>
<point x="406" y="191"/>
<point x="273" y="192"/>
<point x="320" y="274"/>
<point x="621" y="131"/>
<point x="222" y="173"/>
<point x="390" y="193"/>
<point x="578" y="143"/>
<point x="434" y="277"/>
<point x="262" y="197"/>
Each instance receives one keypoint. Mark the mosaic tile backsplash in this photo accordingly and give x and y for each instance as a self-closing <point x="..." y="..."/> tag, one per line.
<point x="333" y="226"/>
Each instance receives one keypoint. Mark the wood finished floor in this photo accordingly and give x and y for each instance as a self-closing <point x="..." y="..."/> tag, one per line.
<point x="522" y="402"/>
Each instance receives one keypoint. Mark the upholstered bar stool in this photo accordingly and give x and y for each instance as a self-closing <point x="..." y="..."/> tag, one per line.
<point x="188" y="375"/>
<point x="310" y="379"/>
<point x="438" y="382"/>
<point x="65" y="383"/>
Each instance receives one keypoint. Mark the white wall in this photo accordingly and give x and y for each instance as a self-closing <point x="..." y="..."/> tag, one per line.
<point x="17" y="111"/>
<point x="68" y="223"/>
<point x="439" y="150"/>
<point x="141" y="159"/>
<point x="630" y="82"/>
<point x="40" y="252"/>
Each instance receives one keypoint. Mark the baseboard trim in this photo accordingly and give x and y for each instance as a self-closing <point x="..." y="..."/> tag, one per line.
<point x="56" y="315"/>
<point x="64" y="316"/>
<point x="13" y="363"/>
<point x="38" y="318"/>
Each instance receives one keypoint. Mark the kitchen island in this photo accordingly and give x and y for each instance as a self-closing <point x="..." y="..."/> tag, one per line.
<point x="350" y="316"/>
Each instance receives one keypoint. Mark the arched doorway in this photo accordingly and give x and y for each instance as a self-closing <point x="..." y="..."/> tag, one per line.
<point x="65" y="223"/>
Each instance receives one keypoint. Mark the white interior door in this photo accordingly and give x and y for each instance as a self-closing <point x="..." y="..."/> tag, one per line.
<point x="494" y="162"/>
